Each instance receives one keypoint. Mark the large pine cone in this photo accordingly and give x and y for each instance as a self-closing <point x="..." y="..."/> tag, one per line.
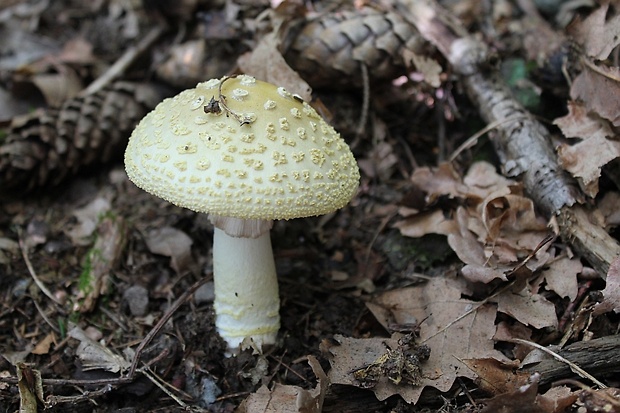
<point x="332" y="48"/>
<point x="46" y="146"/>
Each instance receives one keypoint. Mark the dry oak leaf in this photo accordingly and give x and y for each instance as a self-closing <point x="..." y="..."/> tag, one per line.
<point x="529" y="308"/>
<point x="496" y="377"/>
<point x="492" y="243"/>
<point x="480" y="181"/>
<point x="599" y="33"/>
<point x="508" y="331"/>
<point x="598" y="87"/>
<point x="585" y="159"/>
<point x="289" y="399"/>
<point x="424" y="223"/>
<point x="439" y="304"/>
<point x="525" y="399"/>
<point x="496" y="229"/>
<point x="561" y="277"/>
<point x="266" y="63"/>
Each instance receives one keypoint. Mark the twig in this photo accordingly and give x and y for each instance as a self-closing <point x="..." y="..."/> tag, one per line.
<point x="216" y="105"/>
<point x="472" y="140"/>
<point x="608" y="398"/>
<point x="508" y="286"/>
<point x="124" y="61"/>
<point x="45" y="317"/>
<point x="365" y="102"/>
<point x="53" y="400"/>
<point x="161" y="384"/>
<point x="286" y="366"/>
<point x="149" y="337"/>
<point x="574" y="368"/>
<point x="523" y="146"/>
<point x="33" y="274"/>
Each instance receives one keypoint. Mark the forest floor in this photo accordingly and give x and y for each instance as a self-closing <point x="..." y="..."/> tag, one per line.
<point x="451" y="282"/>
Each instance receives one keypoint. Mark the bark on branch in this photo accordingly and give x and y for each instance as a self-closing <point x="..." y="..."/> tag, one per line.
<point x="522" y="143"/>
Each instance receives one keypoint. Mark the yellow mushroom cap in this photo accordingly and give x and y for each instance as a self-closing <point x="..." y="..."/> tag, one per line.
<point x="265" y="155"/>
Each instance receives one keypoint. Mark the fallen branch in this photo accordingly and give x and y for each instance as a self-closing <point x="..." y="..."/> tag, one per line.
<point x="522" y="142"/>
<point x="600" y="357"/>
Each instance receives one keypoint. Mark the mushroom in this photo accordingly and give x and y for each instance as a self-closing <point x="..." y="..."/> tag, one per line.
<point x="247" y="152"/>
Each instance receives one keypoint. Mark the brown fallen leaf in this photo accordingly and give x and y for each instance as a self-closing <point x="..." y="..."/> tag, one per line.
<point x="599" y="33"/>
<point x="288" y="399"/>
<point x="561" y="277"/>
<point x="585" y="159"/>
<point x="597" y="86"/>
<point x="434" y="222"/>
<point x="525" y="399"/>
<point x="496" y="377"/>
<point x="508" y="332"/>
<point x="439" y="304"/>
<point x="43" y="346"/>
<point x="266" y="63"/>
<point x="494" y="227"/>
<point x="611" y="292"/>
<point x="601" y="400"/>
<point x="529" y="308"/>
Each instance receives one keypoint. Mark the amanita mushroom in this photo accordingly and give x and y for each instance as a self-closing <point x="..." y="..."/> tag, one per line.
<point x="246" y="152"/>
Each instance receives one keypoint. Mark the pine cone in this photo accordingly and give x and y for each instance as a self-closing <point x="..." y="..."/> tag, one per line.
<point x="333" y="47"/>
<point x="47" y="146"/>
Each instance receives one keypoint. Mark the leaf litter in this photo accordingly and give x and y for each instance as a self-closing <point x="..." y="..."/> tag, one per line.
<point x="507" y="285"/>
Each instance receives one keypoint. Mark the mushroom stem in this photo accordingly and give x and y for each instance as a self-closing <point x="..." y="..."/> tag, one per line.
<point x="246" y="289"/>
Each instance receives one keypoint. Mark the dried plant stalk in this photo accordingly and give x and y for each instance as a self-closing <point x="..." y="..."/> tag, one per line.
<point x="332" y="47"/>
<point x="46" y="146"/>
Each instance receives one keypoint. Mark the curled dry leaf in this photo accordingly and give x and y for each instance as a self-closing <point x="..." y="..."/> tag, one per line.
<point x="30" y="388"/>
<point x="496" y="227"/>
<point x="58" y="87"/>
